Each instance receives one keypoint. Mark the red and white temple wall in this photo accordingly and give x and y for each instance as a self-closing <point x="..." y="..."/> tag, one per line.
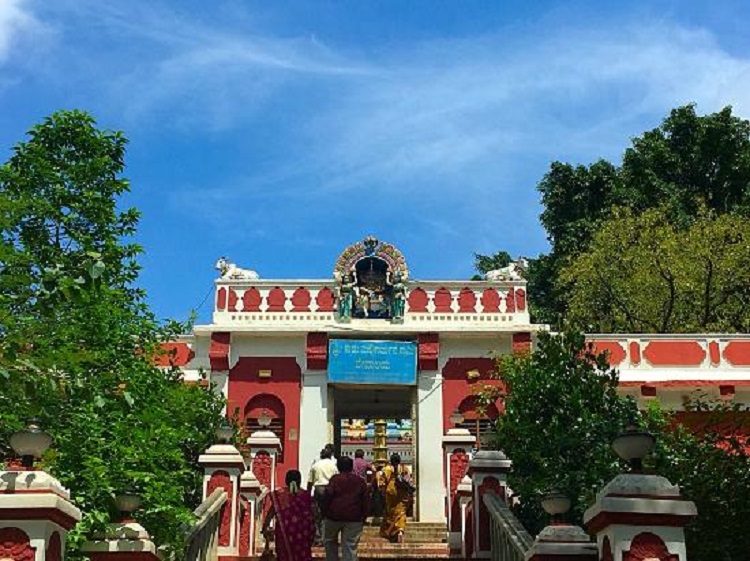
<point x="267" y="347"/>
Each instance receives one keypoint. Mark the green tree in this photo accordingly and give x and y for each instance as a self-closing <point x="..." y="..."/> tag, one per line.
<point x="688" y="163"/>
<point x="78" y="340"/>
<point x="561" y="413"/>
<point x="485" y="263"/>
<point x="708" y="459"/>
<point x="644" y="273"/>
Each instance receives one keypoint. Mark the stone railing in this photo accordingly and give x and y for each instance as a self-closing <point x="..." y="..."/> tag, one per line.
<point x="489" y="305"/>
<point x="705" y="352"/>
<point x="508" y="538"/>
<point x="203" y="538"/>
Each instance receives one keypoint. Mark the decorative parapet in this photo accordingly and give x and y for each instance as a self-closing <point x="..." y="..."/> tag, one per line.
<point x="676" y="356"/>
<point x="429" y="306"/>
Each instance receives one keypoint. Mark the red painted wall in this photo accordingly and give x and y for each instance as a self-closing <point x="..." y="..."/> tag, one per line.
<point x="285" y="383"/>
<point x="457" y="386"/>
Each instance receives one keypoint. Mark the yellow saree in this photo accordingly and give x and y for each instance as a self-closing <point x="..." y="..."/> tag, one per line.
<point x="396" y="503"/>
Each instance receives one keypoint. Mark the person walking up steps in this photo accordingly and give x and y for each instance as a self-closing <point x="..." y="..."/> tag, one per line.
<point x="320" y="474"/>
<point x="346" y="503"/>
<point x="294" y="529"/>
<point x="395" y="483"/>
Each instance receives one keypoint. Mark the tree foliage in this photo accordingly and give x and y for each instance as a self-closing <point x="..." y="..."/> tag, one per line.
<point x="486" y="263"/>
<point x="643" y="273"/>
<point x="708" y="458"/>
<point x="688" y="163"/>
<point x="78" y="340"/>
<point x="561" y="412"/>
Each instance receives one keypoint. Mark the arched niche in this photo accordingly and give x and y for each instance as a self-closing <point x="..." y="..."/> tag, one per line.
<point x="478" y="420"/>
<point x="266" y="407"/>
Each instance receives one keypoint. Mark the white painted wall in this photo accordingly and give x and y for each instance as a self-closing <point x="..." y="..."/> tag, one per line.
<point x="431" y="493"/>
<point x="313" y="426"/>
<point x="292" y="345"/>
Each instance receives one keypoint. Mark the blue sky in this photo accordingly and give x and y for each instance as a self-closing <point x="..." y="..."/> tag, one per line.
<point x="277" y="133"/>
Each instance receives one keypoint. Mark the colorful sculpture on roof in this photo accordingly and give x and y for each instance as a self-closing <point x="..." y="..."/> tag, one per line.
<point x="370" y="279"/>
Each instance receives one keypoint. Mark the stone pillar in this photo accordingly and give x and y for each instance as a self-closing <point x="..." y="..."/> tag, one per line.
<point x="488" y="470"/>
<point x="35" y="516"/>
<point x="463" y="496"/>
<point x="265" y="448"/>
<point x="250" y="492"/>
<point x="457" y="444"/>
<point x="562" y="542"/>
<point x="223" y="465"/>
<point x="125" y="540"/>
<point x="638" y="516"/>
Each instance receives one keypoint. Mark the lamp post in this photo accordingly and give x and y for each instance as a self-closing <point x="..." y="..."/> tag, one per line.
<point x="30" y="442"/>
<point x="632" y="445"/>
<point x="224" y="432"/>
<point x="556" y="504"/>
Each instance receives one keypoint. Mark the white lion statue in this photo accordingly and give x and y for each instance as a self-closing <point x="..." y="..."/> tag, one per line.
<point x="230" y="270"/>
<point x="515" y="270"/>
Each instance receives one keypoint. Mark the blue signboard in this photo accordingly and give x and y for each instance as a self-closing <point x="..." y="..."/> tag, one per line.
<point x="372" y="362"/>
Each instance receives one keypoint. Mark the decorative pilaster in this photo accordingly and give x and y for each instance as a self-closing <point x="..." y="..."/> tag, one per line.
<point x="488" y="470"/>
<point x="265" y="448"/>
<point x="317" y="351"/>
<point x="428" y="351"/>
<point x="223" y="465"/>
<point x="35" y="516"/>
<point x="457" y="444"/>
<point x="218" y="351"/>
<point x="638" y="516"/>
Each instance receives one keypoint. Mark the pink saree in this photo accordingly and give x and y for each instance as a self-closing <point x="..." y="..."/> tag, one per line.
<point x="295" y="526"/>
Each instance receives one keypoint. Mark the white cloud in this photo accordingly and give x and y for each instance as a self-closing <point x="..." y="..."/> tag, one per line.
<point x="16" y="20"/>
<point x="459" y="125"/>
<point x="580" y="94"/>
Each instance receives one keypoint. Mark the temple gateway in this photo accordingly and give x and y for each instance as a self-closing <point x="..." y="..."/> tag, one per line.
<point x="370" y="358"/>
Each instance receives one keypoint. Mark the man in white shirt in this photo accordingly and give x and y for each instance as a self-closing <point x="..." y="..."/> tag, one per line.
<point x="320" y="474"/>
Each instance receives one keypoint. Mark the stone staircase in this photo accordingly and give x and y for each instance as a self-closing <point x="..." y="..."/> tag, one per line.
<point x="423" y="541"/>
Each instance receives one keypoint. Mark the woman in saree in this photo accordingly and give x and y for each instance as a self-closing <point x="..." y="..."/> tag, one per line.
<point x="396" y="486"/>
<point x="294" y="530"/>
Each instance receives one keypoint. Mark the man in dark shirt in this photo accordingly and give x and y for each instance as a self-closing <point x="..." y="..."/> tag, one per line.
<point x="346" y="503"/>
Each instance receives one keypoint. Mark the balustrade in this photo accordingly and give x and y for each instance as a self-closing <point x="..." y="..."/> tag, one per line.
<point x="509" y="540"/>
<point x="203" y="538"/>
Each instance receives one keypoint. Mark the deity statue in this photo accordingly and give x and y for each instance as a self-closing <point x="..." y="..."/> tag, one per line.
<point x="398" y="297"/>
<point x="346" y="292"/>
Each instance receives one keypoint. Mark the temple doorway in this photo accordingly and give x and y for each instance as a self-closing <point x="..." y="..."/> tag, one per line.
<point x="377" y="420"/>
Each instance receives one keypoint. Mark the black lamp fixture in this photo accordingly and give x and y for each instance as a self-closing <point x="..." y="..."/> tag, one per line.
<point x="30" y="442"/>
<point x="632" y="445"/>
<point x="556" y="504"/>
